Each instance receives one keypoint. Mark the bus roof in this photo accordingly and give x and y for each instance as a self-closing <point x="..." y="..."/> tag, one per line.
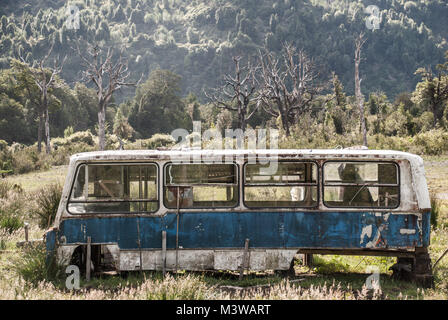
<point x="281" y="153"/>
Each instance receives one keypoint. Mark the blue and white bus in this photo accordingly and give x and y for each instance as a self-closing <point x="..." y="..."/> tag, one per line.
<point x="152" y="210"/>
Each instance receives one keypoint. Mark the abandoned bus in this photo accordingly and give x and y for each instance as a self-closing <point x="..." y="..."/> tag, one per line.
<point x="152" y="210"/>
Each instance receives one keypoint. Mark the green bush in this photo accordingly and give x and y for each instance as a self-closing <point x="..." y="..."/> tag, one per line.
<point x="159" y="140"/>
<point x="68" y="131"/>
<point x="35" y="266"/>
<point x="425" y="122"/>
<point x="47" y="201"/>
<point x="380" y="141"/>
<point x="84" y="137"/>
<point x="433" y="142"/>
<point x="22" y="162"/>
<point x="11" y="207"/>
<point x="112" y="142"/>
<point x="3" y="145"/>
<point x="10" y="223"/>
<point x="435" y="210"/>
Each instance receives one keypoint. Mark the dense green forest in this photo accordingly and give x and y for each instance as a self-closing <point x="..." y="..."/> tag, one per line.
<point x="196" y="39"/>
<point x="181" y="50"/>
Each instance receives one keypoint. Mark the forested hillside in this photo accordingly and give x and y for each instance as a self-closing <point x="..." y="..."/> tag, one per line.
<point x="177" y="53"/>
<point x="197" y="39"/>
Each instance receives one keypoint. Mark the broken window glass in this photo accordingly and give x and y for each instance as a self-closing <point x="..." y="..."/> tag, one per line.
<point x="361" y="184"/>
<point x="293" y="184"/>
<point x="200" y="186"/>
<point x="114" y="188"/>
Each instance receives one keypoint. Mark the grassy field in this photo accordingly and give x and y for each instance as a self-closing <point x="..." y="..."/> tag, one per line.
<point x="330" y="277"/>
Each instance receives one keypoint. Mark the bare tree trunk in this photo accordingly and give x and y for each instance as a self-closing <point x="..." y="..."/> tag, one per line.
<point x="44" y="83"/>
<point x="99" y="69"/>
<point x="240" y="88"/>
<point x="285" y="120"/>
<point x="101" y="128"/>
<point x="47" y="133"/>
<point x="39" y="132"/>
<point x="241" y="119"/>
<point x="359" y="98"/>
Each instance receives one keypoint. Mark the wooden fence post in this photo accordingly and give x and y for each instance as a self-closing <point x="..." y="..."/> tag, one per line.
<point x="88" y="259"/>
<point x="164" y="253"/>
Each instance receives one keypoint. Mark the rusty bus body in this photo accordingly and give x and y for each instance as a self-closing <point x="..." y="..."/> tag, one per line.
<point x="142" y="210"/>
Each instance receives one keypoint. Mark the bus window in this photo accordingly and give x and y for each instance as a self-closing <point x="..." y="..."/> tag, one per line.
<point x="361" y="184"/>
<point x="200" y="185"/>
<point x="100" y="188"/>
<point x="294" y="184"/>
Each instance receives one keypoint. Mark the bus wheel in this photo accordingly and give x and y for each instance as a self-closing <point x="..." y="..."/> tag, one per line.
<point x="291" y="272"/>
<point x="78" y="259"/>
<point x="402" y="270"/>
<point x="422" y="272"/>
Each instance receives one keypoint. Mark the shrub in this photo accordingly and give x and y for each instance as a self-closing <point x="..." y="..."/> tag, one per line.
<point x="68" y="131"/>
<point x="10" y="223"/>
<point x="5" y="187"/>
<point x="159" y="140"/>
<point x="22" y="162"/>
<point x="3" y="145"/>
<point x="84" y="137"/>
<point x="433" y="142"/>
<point x="47" y="201"/>
<point x="11" y="207"/>
<point x="425" y="122"/>
<point x="380" y="141"/>
<point x="35" y="266"/>
<point x="185" y="287"/>
<point x="435" y="210"/>
<point x="112" y="142"/>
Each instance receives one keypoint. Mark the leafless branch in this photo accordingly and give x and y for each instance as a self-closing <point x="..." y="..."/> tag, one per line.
<point x="288" y="90"/>
<point x="237" y="91"/>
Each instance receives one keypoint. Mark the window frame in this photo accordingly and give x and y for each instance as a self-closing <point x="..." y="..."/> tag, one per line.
<point x="69" y="201"/>
<point x="236" y="184"/>
<point x="398" y="184"/>
<point x="316" y="184"/>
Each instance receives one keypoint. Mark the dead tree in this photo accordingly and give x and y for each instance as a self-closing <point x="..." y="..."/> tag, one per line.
<point x="359" y="42"/>
<point x="237" y="92"/>
<point x="288" y="89"/>
<point x="108" y="76"/>
<point x="45" y="79"/>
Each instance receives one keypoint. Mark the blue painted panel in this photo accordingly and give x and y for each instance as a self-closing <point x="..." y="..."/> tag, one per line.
<point x="119" y="230"/>
<point x="426" y="228"/>
<point x="230" y="229"/>
<point x="264" y="229"/>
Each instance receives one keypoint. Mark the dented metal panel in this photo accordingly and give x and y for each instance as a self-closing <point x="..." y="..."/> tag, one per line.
<point x="267" y="231"/>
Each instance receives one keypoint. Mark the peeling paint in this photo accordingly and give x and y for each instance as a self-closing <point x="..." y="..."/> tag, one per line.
<point x="407" y="231"/>
<point x="366" y="231"/>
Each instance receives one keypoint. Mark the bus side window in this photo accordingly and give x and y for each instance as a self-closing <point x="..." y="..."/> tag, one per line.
<point x="201" y="185"/>
<point x="114" y="188"/>
<point x="361" y="184"/>
<point x="294" y="184"/>
<point x="185" y="196"/>
<point x="387" y="174"/>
